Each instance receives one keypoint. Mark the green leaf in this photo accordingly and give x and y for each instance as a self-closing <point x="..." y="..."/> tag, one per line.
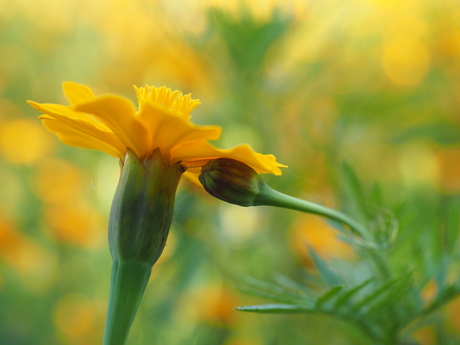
<point x="272" y="308"/>
<point x="275" y="293"/>
<point x="377" y="294"/>
<point x="248" y="38"/>
<point x="451" y="226"/>
<point x="354" y="193"/>
<point x="328" y="295"/>
<point x="346" y="297"/>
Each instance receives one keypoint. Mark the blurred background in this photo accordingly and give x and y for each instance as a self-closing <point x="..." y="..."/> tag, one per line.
<point x="375" y="83"/>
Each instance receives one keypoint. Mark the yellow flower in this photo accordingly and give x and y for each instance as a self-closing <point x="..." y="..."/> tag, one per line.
<point x="112" y="124"/>
<point x="156" y="143"/>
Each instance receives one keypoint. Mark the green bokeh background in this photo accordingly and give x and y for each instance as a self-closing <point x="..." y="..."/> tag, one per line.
<point x="371" y="82"/>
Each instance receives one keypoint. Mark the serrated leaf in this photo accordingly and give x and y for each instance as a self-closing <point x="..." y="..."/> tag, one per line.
<point x="376" y="294"/>
<point x="273" y="292"/>
<point x="392" y="306"/>
<point x="328" y="295"/>
<point x="348" y="295"/>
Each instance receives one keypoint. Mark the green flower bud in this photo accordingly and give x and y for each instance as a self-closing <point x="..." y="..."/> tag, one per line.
<point x="232" y="181"/>
<point x="237" y="183"/>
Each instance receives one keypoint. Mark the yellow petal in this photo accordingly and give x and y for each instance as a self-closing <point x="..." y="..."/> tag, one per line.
<point x="77" y="93"/>
<point x="118" y="113"/>
<point x="171" y="101"/>
<point x="198" y="153"/>
<point x="71" y="136"/>
<point x="166" y="130"/>
<point x="81" y="122"/>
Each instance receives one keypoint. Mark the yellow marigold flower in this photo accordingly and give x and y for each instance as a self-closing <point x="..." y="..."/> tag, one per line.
<point x="156" y="143"/>
<point x="112" y="124"/>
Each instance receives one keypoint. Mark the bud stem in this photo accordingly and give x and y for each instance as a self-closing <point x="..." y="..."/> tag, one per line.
<point x="271" y="197"/>
<point x="127" y="285"/>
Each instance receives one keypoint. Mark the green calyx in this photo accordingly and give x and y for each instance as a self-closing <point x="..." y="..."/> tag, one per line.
<point x="142" y="208"/>
<point x="140" y="219"/>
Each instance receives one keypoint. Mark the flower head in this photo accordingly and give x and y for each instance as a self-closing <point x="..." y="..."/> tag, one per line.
<point x="156" y="143"/>
<point x="112" y="124"/>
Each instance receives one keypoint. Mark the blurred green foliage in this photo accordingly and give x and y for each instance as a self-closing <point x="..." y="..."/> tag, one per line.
<point x="370" y="82"/>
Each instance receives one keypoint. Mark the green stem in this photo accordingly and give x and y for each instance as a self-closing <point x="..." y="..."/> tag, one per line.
<point x="272" y="197"/>
<point x="127" y="285"/>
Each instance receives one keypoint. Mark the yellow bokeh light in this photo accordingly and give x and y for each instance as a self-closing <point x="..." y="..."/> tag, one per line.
<point x="425" y="336"/>
<point x="34" y="264"/>
<point x="24" y="141"/>
<point x="216" y="301"/>
<point x="57" y="181"/>
<point x="315" y="233"/>
<point x="74" y="223"/>
<point x="448" y="161"/>
<point x="418" y="165"/>
<point x="405" y="60"/>
<point x="449" y="45"/>
<point x="454" y="318"/>
<point x="75" y="315"/>
<point x="239" y="224"/>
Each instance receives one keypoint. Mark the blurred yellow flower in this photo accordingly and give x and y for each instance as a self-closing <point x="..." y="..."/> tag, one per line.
<point x="111" y="124"/>
<point x="22" y="141"/>
<point x="78" y="319"/>
<point x="74" y="223"/>
<point x="405" y="60"/>
<point x="448" y="163"/>
<point x="34" y="265"/>
<point x="312" y="232"/>
<point x="57" y="181"/>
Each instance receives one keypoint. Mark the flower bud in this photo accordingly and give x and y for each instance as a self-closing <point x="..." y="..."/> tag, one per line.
<point x="235" y="182"/>
<point x="232" y="181"/>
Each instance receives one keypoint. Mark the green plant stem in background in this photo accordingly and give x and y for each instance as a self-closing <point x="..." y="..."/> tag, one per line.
<point x="127" y="285"/>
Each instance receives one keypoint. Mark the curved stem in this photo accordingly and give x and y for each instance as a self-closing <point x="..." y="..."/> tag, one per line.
<point x="272" y="197"/>
<point x="127" y="285"/>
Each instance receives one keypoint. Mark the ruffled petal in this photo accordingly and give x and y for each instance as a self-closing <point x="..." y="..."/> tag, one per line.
<point x="71" y="136"/>
<point x="118" y="114"/>
<point x="77" y="93"/>
<point x="81" y="122"/>
<point x="111" y="124"/>
<point x="198" y="153"/>
<point x="166" y="130"/>
<point x="171" y="101"/>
